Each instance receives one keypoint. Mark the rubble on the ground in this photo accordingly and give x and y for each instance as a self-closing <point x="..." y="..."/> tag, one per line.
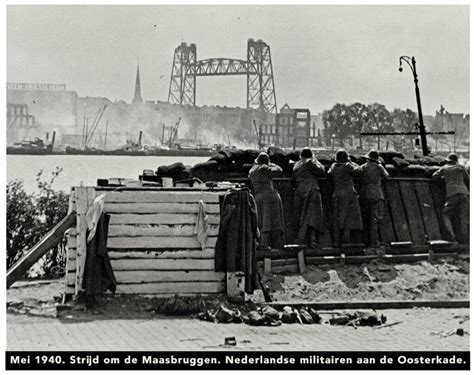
<point x="374" y="281"/>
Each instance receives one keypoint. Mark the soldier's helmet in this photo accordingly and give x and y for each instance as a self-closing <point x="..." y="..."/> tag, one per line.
<point x="306" y="153"/>
<point x="452" y="157"/>
<point x="342" y="155"/>
<point x="373" y="155"/>
<point x="262" y="158"/>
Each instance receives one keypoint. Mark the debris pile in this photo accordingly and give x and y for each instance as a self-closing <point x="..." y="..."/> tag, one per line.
<point x="268" y="316"/>
<point x="35" y="307"/>
<point x="374" y="281"/>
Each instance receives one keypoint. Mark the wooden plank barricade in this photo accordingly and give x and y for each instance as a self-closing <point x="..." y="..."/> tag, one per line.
<point x="151" y="231"/>
<point x="152" y="245"/>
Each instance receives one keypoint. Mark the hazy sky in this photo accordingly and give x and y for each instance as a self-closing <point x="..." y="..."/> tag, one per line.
<point x="321" y="54"/>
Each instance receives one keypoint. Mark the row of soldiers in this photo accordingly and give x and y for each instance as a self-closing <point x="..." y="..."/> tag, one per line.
<point x="349" y="209"/>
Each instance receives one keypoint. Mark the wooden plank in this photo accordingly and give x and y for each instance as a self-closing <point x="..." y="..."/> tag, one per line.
<point x="166" y="254"/>
<point x="51" y="239"/>
<point x="412" y="209"/>
<point x="70" y="279"/>
<point x="402" y="258"/>
<point x="161" y="196"/>
<point x="138" y="277"/>
<point x="378" y="305"/>
<point x="84" y="198"/>
<point x="71" y="242"/>
<point x="143" y="208"/>
<point x="71" y="261"/>
<point x="158" y="230"/>
<point x="158" y="242"/>
<point x="386" y="232"/>
<point x="72" y="266"/>
<point x="172" y="288"/>
<point x="267" y="265"/>
<point x="428" y="210"/>
<point x="235" y="286"/>
<point x="162" y="264"/>
<point x="159" y="219"/>
<point x="438" y="192"/>
<point x="284" y="262"/>
<point x="293" y="252"/>
<point x="397" y="212"/>
<point x="289" y="268"/>
<point x="70" y="233"/>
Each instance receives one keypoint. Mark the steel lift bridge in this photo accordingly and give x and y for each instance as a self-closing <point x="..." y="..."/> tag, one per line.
<point x="257" y="67"/>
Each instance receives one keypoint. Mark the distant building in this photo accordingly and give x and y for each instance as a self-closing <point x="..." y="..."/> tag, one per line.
<point x="292" y="129"/>
<point x="33" y="108"/>
<point x="457" y="122"/>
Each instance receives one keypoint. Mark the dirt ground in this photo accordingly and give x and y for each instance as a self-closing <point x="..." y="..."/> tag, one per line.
<point x="444" y="280"/>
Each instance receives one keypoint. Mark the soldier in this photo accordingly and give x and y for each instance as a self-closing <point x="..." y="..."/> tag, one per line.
<point x="269" y="206"/>
<point x="371" y="194"/>
<point x="307" y="199"/>
<point x="456" y="180"/>
<point x="345" y="199"/>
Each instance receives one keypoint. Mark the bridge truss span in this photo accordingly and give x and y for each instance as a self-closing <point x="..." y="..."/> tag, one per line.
<point x="257" y="68"/>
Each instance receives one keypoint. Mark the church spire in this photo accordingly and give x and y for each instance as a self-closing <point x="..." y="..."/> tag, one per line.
<point x="137" y="97"/>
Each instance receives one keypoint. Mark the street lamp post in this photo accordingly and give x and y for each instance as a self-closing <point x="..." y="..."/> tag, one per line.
<point x="410" y="61"/>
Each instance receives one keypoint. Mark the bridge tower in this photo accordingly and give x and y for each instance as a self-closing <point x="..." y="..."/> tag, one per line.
<point x="260" y="83"/>
<point x="183" y="86"/>
<point x="257" y="68"/>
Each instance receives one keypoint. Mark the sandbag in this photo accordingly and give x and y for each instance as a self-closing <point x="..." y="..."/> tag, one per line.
<point x="211" y="165"/>
<point x="250" y="156"/>
<point x="413" y="161"/>
<point x="400" y="163"/>
<point x="358" y="159"/>
<point x="388" y="156"/>
<point x="293" y="155"/>
<point x="177" y="171"/>
<point x="324" y="158"/>
<point x="239" y="156"/>
<point x="419" y="171"/>
<point x="219" y="157"/>
<point x="427" y="160"/>
<point x="276" y="154"/>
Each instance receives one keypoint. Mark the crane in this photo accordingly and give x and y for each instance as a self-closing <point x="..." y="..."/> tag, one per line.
<point x="174" y="133"/>
<point x="94" y="124"/>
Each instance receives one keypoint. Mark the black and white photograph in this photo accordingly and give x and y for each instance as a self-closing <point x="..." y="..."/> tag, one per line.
<point x="237" y="187"/>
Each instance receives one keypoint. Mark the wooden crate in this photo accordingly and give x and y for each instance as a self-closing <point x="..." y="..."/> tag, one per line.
<point x="151" y="241"/>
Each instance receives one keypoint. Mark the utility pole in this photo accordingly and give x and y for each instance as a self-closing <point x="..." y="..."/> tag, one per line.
<point x="410" y="61"/>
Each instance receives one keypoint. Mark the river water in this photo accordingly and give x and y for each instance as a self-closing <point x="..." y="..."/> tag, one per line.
<point x="84" y="169"/>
